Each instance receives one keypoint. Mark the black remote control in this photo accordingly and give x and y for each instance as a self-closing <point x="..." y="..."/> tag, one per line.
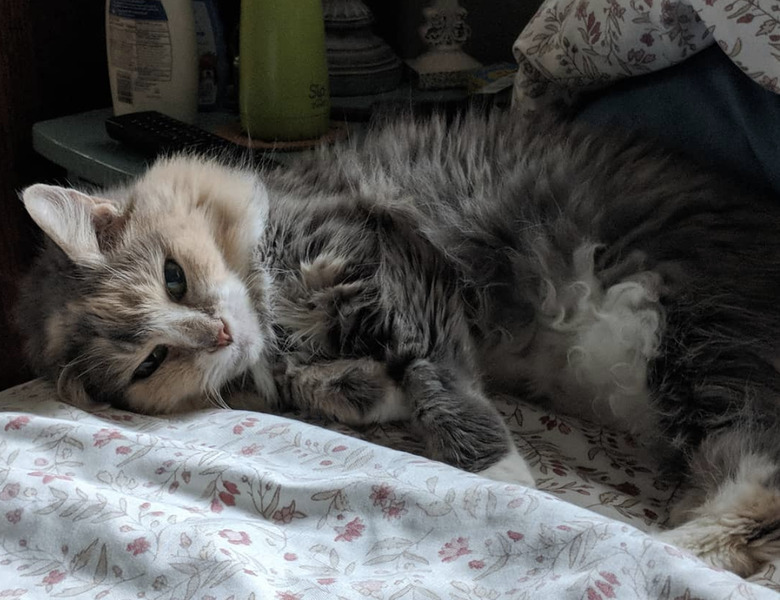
<point x="152" y="133"/>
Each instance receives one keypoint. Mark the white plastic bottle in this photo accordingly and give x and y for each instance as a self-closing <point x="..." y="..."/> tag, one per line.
<point x="152" y="57"/>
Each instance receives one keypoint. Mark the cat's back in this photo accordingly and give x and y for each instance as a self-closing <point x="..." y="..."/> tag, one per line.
<point x="483" y="186"/>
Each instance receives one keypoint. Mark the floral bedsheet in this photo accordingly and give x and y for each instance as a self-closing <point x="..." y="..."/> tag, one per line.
<point x="234" y="504"/>
<point x="570" y="45"/>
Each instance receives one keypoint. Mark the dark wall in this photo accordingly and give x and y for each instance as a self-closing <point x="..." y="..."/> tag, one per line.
<point x="52" y="63"/>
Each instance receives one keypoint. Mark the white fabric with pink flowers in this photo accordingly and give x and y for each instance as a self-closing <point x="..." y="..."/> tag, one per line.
<point x="232" y="504"/>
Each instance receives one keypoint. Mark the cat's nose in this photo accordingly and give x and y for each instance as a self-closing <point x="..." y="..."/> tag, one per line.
<point x="223" y="337"/>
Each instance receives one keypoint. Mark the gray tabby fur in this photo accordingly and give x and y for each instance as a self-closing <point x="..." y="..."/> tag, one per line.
<point x="403" y="279"/>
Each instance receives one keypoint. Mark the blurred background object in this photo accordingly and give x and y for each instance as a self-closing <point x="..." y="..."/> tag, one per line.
<point x="359" y="61"/>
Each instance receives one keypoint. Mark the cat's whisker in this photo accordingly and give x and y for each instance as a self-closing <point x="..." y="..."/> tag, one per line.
<point x="215" y="397"/>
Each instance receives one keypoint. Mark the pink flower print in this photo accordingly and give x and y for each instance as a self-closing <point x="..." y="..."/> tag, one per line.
<point x="287" y="513"/>
<point x="647" y="39"/>
<point x="104" y="437"/>
<point x="237" y="538"/>
<point x="54" y="577"/>
<point x="48" y="477"/>
<point x="605" y="589"/>
<point x="138" y="546"/>
<point x="593" y="594"/>
<point x="216" y="506"/>
<point x="250" y="450"/>
<point x="123" y="450"/>
<point x="351" y="531"/>
<point x="381" y="493"/>
<point x="231" y="487"/>
<point x="454" y="548"/>
<point x="326" y="581"/>
<point x="394" y="510"/>
<point x="238" y="430"/>
<point x="10" y="491"/>
<point x="339" y="449"/>
<point x="288" y="596"/>
<point x="628" y="488"/>
<point x="290" y="556"/>
<point x="476" y="564"/>
<point x="515" y="536"/>
<point x="228" y="499"/>
<point x="17" y="423"/>
<point x="14" y="516"/>
<point x="609" y="577"/>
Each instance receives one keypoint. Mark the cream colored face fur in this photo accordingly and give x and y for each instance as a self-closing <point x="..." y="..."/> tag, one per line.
<point x="202" y="216"/>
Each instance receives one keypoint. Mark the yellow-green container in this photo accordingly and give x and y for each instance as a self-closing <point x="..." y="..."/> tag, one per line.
<point x="283" y="73"/>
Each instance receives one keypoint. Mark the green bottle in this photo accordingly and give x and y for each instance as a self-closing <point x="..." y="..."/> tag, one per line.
<point x="283" y="73"/>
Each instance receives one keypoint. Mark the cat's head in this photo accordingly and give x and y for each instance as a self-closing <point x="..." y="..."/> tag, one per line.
<point x="144" y="295"/>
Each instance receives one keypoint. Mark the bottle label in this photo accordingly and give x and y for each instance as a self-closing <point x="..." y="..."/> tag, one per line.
<point x="140" y="47"/>
<point x="149" y="10"/>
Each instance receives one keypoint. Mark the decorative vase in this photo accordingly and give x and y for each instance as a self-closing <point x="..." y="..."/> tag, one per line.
<point x="444" y="64"/>
<point x="359" y="62"/>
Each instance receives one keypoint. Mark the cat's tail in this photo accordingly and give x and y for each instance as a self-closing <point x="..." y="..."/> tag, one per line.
<point x="730" y="514"/>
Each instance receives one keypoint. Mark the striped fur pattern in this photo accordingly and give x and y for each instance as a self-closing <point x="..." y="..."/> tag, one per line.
<point x="440" y="260"/>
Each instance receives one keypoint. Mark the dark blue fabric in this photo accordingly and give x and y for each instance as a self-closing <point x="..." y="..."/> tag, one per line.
<point x="705" y="107"/>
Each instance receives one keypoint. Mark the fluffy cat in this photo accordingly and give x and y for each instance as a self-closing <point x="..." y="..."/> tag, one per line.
<point x="402" y="278"/>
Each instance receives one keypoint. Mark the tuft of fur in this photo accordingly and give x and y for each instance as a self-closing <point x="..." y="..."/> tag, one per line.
<point x="439" y="260"/>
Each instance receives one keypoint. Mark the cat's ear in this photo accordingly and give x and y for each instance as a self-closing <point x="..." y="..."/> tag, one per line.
<point x="78" y="223"/>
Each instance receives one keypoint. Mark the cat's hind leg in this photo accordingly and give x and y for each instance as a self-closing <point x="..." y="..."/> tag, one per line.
<point x="730" y="514"/>
<point x="460" y="425"/>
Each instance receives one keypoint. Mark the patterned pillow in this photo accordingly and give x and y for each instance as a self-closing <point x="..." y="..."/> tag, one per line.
<point x="570" y="45"/>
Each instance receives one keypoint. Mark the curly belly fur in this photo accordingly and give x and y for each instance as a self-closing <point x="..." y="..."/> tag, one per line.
<point x="588" y="349"/>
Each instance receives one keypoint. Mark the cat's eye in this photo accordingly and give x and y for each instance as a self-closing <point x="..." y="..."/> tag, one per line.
<point x="151" y="363"/>
<point x="175" y="281"/>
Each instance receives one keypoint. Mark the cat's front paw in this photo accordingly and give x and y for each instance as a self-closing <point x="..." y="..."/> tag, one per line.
<point x="511" y="469"/>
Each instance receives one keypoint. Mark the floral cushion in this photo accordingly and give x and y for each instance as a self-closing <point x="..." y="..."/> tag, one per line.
<point x="570" y="45"/>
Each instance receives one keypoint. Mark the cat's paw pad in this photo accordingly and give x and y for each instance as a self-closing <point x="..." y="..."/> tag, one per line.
<point x="510" y="469"/>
